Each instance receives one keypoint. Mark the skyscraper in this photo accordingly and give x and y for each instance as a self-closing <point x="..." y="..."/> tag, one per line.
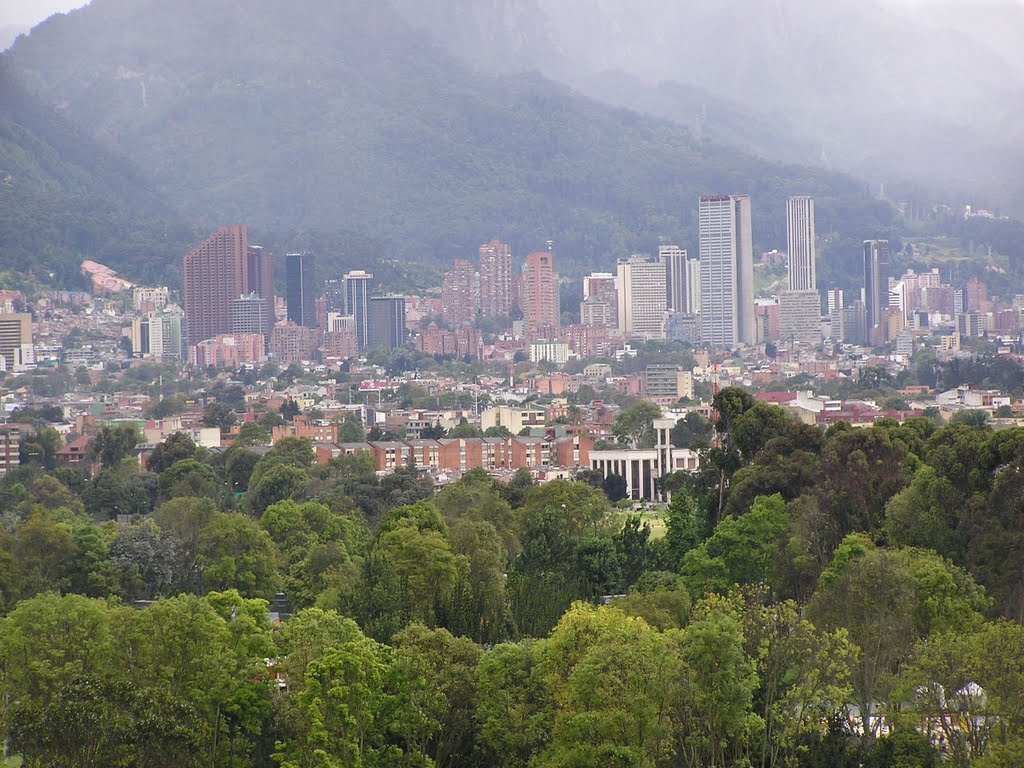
<point x="800" y="306"/>
<point x="641" y="297"/>
<point x="458" y="294"/>
<point x="801" y="238"/>
<point x="357" y="304"/>
<point x="876" y="281"/>
<point x="495" y="279"/>
<point x="259" y="273"/>
<point x="299" y="272"/>
<point x="674" y="259"/>
<point x="541" y="302"/>
<point x="387" y="322"/>
<point x="726" y="270"/>
<point x="334" y="295"/>
<point x="692" y="287"/>
<point x="214" y="276"/>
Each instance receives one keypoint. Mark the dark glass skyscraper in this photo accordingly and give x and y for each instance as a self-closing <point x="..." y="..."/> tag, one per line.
<point x="876" y="281"/>
<point x="387" y="322"/>
<point x="357" y="304"/>
<point x="299" y="291"/>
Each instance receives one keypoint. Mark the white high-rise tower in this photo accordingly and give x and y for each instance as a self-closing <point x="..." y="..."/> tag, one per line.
<point x="800" y="231"/>
<point x="726" y="270"/>
<point x="800" y="306"/>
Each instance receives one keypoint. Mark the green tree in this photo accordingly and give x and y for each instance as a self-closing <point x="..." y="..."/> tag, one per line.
<point x="175" y="448"/>
<point x="634" y="426"/>
<point x="113" y="444"/>
<point x="189" y="477"/>
<point x="219" y="415"/>
<point x="252" y="433"/>
<point x="744" y="551"/>
<point x="233" y="552"/>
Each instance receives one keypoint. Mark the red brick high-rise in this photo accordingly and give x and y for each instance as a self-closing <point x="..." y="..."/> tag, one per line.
<point x="495" y="279"/>
<point x="458" y="294"/>
<point x="259" y="267"/>
<point x="216" y="273"/>
<point x="541" y="305"/>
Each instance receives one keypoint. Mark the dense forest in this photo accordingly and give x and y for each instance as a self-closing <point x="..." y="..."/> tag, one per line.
<point x="841" y="597"/>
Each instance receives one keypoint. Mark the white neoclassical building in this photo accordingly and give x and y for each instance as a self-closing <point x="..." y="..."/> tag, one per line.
<point x="644" y="467"/>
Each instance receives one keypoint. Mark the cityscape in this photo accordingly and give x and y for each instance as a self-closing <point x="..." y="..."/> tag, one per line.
<point x="511" y="384"/>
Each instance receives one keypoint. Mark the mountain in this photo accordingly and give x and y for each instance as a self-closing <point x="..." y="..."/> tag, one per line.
<point x="64" y="197"/>
<point x="917" y="94"/>
<point x="321" y="115"/>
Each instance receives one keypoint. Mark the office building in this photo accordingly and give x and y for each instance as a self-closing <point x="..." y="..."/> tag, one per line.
<point x="596" y="311"/>
<point x="250" y="313"/>
<point x="834" y="298"/>
<point x="16" y="351"/>
<point x="800" y="317"/>
<point x="642" y="297"/>
<point x="300" y="293"/>
<point x="157" y="335"/>
<point x="692" y="287"/>
<point x="876" y="282"/>
<point x="458" y="294"/>
<point x="214" y="276"/>
<point x="387" y="322"/>
<point x="334" y="295"/>
<point x="726" y="271"/>
<point x="259" y="273"/>
<point x="801" y="238"/>
<point x="674" y="259"/>
<point x="541" y="302"/>
<point x="357" y="304"/>
<point x="495" y="279"/>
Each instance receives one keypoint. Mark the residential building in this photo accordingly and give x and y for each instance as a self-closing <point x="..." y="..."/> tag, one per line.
<point x="545" y="350"/>
<point x="228" y="350"/>
<point x="642" y="297"/>
<point x="459" y="295"/>
<point x="291" y="343"/>
<point x="667" y="383"/>
<point x="726" y="271"/>
<point x="259" y="277"/>
<point x="541" y="301"/>
<point x="495" y="279"/>
<point x="214" y="276"/>
<point x="300" y="293"/>
<point x="10" y="448"/>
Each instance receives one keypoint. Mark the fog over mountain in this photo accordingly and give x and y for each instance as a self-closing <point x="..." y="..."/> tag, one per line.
<point x="325" y="115"/>
<point x="902" y="93"/>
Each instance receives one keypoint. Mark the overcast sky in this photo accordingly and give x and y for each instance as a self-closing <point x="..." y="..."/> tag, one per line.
<point x="25" y="14"/>
<point x="22" y="15"/>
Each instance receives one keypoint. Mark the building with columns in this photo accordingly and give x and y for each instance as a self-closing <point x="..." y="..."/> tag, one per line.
<point x="642" y="468"/>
